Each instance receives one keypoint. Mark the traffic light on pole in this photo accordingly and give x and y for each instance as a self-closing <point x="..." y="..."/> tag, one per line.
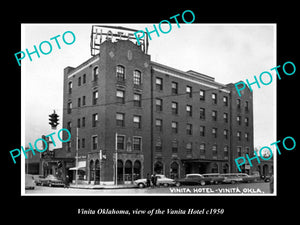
<point x="53" y="118"/>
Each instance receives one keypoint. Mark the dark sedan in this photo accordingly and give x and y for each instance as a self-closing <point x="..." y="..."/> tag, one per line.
<point x="192" y="179"/>
<point x="51" y="180"/>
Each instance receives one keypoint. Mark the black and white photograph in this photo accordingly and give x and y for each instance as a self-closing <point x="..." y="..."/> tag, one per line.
<point x="123" y="111"/>
<point x="127" y="113"/>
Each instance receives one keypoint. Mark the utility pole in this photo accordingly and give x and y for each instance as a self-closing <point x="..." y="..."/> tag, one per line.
<point x="116" y="163"/>
<point x="76" y="176"/>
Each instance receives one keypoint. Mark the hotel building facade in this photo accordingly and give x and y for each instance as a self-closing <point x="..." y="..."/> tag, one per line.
<point x="131" y="116"/>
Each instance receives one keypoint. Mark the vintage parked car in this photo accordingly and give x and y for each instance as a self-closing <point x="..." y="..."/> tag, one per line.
<point x="215" y="178"/>
<point x="51" y="180"/>
<point x="231" y="178"/>
<point x="247" y="178"/>
<point x="29" y="182"/>
<point x="161" y="180"/>
<point x="38" y="178"/>
<point x="193" y="179"/>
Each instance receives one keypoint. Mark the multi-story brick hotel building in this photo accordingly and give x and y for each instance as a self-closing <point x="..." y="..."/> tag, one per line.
<point x="157" y="118"/>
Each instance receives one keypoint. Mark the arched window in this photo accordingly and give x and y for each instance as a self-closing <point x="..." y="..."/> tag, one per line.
<point x="120" y="73"/>
<point x="174" y="170"/>
<point x="158" y="167"/>
<point x="128" y="170"/>
<point x="137" y="166"/>
<point x="92" y="170"/>
<point x="95" y="73"/>
<point x="137" y="77"/>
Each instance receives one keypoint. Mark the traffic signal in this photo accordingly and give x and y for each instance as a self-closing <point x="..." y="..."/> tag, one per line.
<point x="53" y="118"/>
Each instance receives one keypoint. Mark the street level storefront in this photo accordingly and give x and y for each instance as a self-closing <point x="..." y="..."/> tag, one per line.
<point x="129" y="167"/>
<point x="205" y="166"/>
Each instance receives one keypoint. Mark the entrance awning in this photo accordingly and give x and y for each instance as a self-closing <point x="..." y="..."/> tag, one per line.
<point x="81" y="166"/>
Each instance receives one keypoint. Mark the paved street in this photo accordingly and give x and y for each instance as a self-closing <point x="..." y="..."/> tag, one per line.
<point x="240" y="189"/>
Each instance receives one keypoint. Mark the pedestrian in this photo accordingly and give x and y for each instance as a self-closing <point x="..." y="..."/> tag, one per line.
<point x="153" y="180"/>
<point x="272" y="184"/>
<point x="148" y="182"/>
<point x="67" y="185"/>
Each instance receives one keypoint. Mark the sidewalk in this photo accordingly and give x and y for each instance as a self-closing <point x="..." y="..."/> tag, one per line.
<point x="102" y="186"/>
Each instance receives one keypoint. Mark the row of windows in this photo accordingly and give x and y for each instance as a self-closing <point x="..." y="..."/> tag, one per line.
<point x="136" y="143"/>
<point x="120" y="76"/>
<point x="202" y="148"/>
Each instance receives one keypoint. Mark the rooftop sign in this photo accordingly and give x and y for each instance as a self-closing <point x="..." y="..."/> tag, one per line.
<point x="100" y="34"/>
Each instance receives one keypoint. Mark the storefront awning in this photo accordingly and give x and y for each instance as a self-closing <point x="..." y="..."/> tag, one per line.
<point x="81" y="166"/>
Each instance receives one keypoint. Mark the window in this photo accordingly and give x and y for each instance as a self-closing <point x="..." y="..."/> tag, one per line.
<point x="95" y="73"/>
<point x="202" y="131"/>
<point x="225" y="134"/>
<point x="238" y="103"/>
<point x="120" y="73"/>
<point x="188" y="91"/>
<point x="238" y="119"/>
<point x="246" y="106"/>
<point x="78" y="122"/>
<point x="189" y="148"/>
<point x="120" y="119"/>
<point x="137" y="143"/>
<point x="137" y="100"/>
<point x="202" y="95"/>
<point x="158" y="103"/>
<point x="69" y="126"/>
<point x="83" y="100"/>
<point x="239" y="134"/>
<point x="78" y="102"/>
<point x="83" y="143"/>
<point x="79" y="81"/>
<point x="94" y="142"/>
<point x="226" y="152"/>
<point x="239" y="150"/>
<point x="214" y="150"/>
<point x="94" y="119"/>
<point x="69" y="107"/>
<point x="247" y="121"/>
<point x="174" y="127"/>
<point x="189" y="129"/>
<point x="120" y="142"/>
<point x="225" y="116"/>
<point x="214" y="132"/>
<point x="84" y="78"/>
<point x="174" y="108"/>
<point x="174" y="146"/>
<point x="189" y="110"/>
<point x="78" y="143"/>
<point x="158" y="124"/>
<point x="159" y="83"/>
<point x="158" y="145"/>
<point x="202" y="149"/>
<point x="202" y="113"/>
<point x="225" y="100"/>
<point x="246" y="136"/>
<point x="137" y="77"/>
<point x="69" y="146"/>
<point x="83" y="121"/>
<point x="95" y="97"/>
<point x="70" y="86"/>
<point x="137" y="121"/>
<point x="214" y="98"/>
<point x="214" y="115"/>
<point x="174" y="88"/>
<point x="120" y="96"/>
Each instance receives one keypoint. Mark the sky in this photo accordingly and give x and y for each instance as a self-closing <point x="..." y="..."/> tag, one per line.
<point x="227" y="52"/>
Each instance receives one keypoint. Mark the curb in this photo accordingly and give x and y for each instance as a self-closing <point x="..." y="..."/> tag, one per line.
<point x="97" y="187"/>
